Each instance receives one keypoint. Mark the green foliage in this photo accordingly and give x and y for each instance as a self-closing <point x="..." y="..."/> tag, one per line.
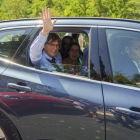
<point x="119" y="78"/>
<point x="37" y="6"/>
<point x="13" y="9"/>
<point x="16" y="9"/>
<point x="122" y="79"/>
<point x="77" y="8"/>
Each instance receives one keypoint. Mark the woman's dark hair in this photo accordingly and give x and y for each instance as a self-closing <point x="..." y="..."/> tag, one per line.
<point x="62" y="49"/>
<point x="53" y="37"/>
<point x="69" y="47"/>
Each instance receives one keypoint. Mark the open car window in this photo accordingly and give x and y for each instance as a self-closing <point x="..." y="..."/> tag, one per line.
<point x="80" y="36"/>
<point x="81" y="69"/>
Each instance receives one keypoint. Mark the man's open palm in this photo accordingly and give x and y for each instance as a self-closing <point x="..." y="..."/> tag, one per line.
<point x="47" y="23"/>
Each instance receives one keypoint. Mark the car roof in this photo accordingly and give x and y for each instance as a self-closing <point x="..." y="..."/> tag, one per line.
<point x="116" y="22"/>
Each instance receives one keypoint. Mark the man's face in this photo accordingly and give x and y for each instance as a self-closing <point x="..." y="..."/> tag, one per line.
<point x="134" y="50"/>
<point x="51" y="48"/>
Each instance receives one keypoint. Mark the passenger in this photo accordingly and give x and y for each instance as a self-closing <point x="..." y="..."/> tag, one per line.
<point x="73" y="52"/>
<point x="65" y="41"/>
<point x="127" y="69"/>
<point x="85" y="57"/>
<point x="81" y="41"/>
<point x="84" y="69"/>
<point x="46" y="46"/>
<point x="132" y="50"/>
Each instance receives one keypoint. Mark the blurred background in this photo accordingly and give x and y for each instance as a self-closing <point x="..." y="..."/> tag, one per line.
<point x="17" y="9"/>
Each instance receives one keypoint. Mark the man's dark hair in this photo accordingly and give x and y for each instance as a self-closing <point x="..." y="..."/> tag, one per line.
<point x="52" y="38"/>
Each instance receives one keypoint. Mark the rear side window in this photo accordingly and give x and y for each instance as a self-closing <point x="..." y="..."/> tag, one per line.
<point x="79" y="55"/>
<point x="10" y="40"/>
<point x="124" y="50"/>
<point x="80" y="66"/>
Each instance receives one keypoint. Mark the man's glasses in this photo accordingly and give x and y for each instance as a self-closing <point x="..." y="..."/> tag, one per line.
<point x="53" y="45"/>
<point x="66" y="43"/>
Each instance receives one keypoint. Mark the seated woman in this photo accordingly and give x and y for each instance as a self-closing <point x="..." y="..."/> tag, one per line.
<point x="65" y="41"/>
<point x="72" y="54"/>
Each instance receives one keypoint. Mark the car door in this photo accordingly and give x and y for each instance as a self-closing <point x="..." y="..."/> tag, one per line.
<point x="120" y="82"/>
<point x="54" y="105"/>
<point x="10" y="40"/>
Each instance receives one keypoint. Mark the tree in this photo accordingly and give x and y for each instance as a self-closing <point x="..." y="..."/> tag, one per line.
<point x="118" y="9"/>
<point x="77" y="8"/>
<point x="13" y="9"/>
<point x="37" y="6"/>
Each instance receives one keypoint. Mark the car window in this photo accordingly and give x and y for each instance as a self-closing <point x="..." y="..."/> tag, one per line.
<point x="124" y="50"/>
<point x="79" y="69"/>
<point x="10" y="40"/>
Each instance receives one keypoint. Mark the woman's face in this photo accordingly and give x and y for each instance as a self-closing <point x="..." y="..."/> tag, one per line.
<point x="74" y="52"/>
<point x="66" y="42"/>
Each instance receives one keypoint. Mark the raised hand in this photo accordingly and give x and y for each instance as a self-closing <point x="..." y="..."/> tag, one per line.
<point x="47" y="23"/>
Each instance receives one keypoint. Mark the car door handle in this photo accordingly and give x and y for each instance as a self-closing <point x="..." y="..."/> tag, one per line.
<point x="127" y="112"/>
<point x="19" y="87"/>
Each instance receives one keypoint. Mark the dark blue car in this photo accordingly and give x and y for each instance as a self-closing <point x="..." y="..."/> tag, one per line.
<point x="100" y="101"/>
